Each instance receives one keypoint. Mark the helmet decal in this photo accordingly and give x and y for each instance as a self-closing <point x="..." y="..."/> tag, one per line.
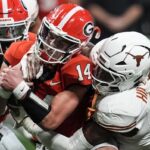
<point x="138" y="58"/>
<point x="68" y="16"/>
<point x="88" y="29"/>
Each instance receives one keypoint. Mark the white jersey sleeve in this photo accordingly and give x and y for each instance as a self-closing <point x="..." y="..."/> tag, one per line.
<point x="122" y="111"/>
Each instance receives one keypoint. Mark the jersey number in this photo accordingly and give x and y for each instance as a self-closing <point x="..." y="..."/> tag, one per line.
<point x="86" y="72"/>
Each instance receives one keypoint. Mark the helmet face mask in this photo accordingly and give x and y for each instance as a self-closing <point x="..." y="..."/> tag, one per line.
<point x="54" y="44"/>
<point x="123" y="61"/>
<point x="13" y="32"/>
<point x="63" y="32"/>
<point x="105" y="81"/>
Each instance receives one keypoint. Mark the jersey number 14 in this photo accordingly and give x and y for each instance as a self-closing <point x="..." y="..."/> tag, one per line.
<point x="85" y="72"/>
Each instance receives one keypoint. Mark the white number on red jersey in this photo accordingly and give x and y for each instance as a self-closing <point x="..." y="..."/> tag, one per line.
<point x="86" y="72"/>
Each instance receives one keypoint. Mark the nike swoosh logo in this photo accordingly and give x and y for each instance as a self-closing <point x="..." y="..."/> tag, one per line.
<point x="22" y="89"/>
<point x="54" y="83"/>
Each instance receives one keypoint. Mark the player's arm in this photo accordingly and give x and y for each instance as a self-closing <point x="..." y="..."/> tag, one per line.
<point x="78" y="141"/>
<point x="63" y="104"/>
<point x="50" y="117"/>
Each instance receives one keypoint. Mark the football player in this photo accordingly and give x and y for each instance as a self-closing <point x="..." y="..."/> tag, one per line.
<point x="122" y="110"/>
<point x="121" y="75"/>
<point x="55" y="67"/>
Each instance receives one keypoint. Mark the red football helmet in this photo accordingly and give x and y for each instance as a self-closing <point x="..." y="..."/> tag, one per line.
<point x="63" y="32"/>
<point x="13" y="20"/>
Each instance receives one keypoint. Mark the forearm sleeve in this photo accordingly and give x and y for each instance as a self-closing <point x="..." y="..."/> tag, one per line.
<point x="36" y="108"/>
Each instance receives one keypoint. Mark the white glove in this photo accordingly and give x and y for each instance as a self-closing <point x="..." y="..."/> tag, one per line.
<point x="31" y="127"/>
<point x="31" y="65"/>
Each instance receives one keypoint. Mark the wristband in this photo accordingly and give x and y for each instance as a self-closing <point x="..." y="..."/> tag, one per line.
<point x="21" y="90"/>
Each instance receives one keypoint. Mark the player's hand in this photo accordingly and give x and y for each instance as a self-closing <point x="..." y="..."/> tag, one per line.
<point x="11" y="77"/>
<point x="31" y="66"/>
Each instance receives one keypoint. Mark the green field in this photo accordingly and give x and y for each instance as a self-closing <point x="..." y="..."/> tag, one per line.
<point x="25" y="141"/>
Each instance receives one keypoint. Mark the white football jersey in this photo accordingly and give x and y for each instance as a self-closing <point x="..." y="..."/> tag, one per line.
<point x="124" y="112"/>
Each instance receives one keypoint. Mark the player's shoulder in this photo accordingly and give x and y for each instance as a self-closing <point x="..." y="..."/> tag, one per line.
<point x="17" y="50"/>
<point x="119" y="112"/>
<point x="19" y="47"/>
<point x="127" y="103"/>
<point x="77" y="71"/>
<point x="78" y="59"/>
<point x="131" y="101"/>
<point x="24" y="45"/>
<point x="32" y="36"/>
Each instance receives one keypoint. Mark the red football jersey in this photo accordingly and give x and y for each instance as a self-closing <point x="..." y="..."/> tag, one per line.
<point x="76" y="71"/>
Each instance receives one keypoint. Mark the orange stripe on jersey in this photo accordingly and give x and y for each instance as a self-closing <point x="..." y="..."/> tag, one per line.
<point x="91" y="109"/>
<point x="141" y="93"/>
<point x="118" y="128"/>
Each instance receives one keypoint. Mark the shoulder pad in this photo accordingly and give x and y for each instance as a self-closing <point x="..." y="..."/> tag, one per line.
<point x="118" y="112"/>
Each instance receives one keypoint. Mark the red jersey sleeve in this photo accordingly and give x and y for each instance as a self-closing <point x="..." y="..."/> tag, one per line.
<point x="32" y="36"/>
<point x="16" y="51"/>
<point x="77" y="71"/>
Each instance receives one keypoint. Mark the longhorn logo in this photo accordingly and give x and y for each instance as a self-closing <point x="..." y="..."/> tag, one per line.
<point x="138" y="58"/>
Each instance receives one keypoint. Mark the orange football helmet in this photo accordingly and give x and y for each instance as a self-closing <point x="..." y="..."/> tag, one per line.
<point x="14" y="21"/>
<point x="62" y="33"/>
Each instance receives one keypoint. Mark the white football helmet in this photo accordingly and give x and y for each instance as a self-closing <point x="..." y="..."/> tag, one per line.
<point x="123" y="61"/>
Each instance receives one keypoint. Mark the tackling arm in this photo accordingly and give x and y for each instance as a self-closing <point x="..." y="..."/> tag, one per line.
<point x="63" y="104"/>
<point x="77" y="141"/>
<point x="49" y="117"/>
